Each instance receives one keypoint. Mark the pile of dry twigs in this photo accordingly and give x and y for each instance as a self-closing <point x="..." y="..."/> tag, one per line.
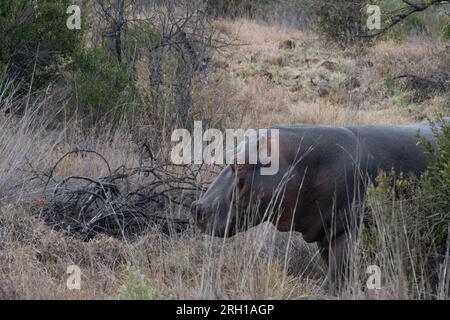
<point x="126" y="203"/>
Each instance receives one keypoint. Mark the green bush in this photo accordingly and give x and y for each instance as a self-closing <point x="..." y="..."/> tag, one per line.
<point x="409" y="221"/>
<point x="137" y="288"/>
<point x="444" y="23"/>
<point x="102" y="89"/>
<point x="430" y="22"/>
<point x="237" y="8"/>
<point x="434" y="199"/>
<point x="342" y="21"/>
<point x="35" y="40"/>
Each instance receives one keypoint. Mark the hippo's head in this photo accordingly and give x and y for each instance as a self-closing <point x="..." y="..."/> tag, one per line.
<point x="239" y="198"/>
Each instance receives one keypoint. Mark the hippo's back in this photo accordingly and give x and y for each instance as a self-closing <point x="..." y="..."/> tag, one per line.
<point x="396" y="147"/>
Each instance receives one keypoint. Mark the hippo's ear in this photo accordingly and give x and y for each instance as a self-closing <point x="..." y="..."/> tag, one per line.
<point x="237" y="168"/>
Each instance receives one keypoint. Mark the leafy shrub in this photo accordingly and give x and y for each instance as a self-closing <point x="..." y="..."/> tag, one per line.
<point x="137" y="288"/>
<point x="342" y="21"/>
<point x="236" y="8"/>
<point x="409" y="221"/>
<point x="35" y="40"/>
<point x="431" y="22"/>
<point x="102" y="89"/>
<point x="444" y="22"/>
<point x="434" y="200"/>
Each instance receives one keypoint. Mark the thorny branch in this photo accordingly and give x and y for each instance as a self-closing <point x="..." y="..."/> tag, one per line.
<point x="126" y="203"/>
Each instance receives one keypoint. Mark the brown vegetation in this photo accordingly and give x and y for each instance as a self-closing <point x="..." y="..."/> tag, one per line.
<point x="270" y="75"/>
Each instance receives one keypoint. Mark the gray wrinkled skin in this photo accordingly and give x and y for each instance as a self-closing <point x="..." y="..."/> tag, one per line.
<point x="324" y="170"/>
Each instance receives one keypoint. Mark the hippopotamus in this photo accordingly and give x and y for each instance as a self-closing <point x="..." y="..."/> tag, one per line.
<point x="324" y="172"/>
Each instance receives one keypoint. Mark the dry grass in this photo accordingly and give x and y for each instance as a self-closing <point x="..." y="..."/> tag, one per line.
<point x="252" y="85"/>
<point x="34" y="258"/>
<point x="312" y="83"/>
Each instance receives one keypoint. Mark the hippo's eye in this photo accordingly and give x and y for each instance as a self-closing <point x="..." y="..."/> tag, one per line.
<point x="240" y="185"/>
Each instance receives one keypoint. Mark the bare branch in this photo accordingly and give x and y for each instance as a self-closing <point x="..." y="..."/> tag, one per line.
<point x="124" y="203"/>
<point x="401" y="14"/>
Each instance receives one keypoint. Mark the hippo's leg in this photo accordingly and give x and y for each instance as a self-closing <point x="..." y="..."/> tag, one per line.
<point x="335" y="255"/>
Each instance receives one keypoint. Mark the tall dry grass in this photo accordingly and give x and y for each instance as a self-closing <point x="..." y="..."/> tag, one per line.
<point x="259" y="264"/>
<point x="314" y="83"/>
<point x="34" y="258"/>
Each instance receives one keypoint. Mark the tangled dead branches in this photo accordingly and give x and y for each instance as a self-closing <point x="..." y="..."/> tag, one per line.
<point x="125" y="204"/>
<point x="423" y="88"/>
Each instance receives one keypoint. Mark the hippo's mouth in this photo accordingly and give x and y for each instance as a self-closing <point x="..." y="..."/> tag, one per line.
<point x="226" y="222"/>
<point x="223" y="231"/>
<point x="217" y="232"/>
